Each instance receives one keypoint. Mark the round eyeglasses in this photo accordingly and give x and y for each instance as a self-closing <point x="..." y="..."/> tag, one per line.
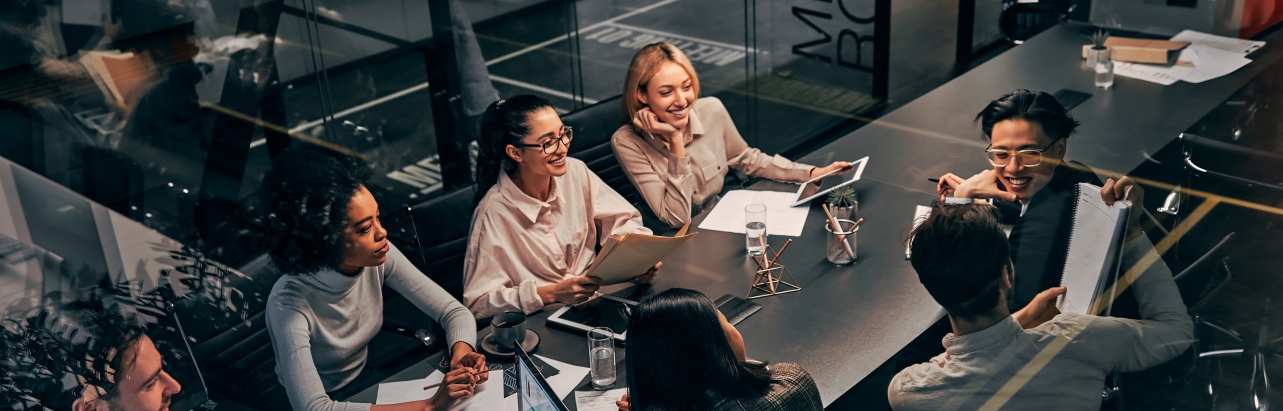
<point x="550" y="146"/>
<point x="1027" y="158"/>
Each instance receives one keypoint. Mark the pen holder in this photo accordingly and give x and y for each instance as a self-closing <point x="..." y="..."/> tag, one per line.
<point x="842" y="245"/>
<point x="773" y="280"/>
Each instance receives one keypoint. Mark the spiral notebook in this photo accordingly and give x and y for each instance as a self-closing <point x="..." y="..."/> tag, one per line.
<point x="1095" y="246"/>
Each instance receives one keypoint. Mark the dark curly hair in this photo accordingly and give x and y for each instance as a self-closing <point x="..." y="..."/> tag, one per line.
<point x="57" y="352"/>
<point x="504" y="122"/>
<point x="306" y="197"/>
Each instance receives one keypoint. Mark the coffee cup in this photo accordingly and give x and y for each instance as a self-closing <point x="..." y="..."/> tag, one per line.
<point x="509" y="330"/>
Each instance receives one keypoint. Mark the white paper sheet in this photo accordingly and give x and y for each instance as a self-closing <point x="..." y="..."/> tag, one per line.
<point x="1153" y="73"/>
<point x="598" y="400"/>
<point x="781" y="219"/>
<point x="1229" y="44"/>
<point x="565" y="381"/>
<point x="488" y="396"/>
<point x="1210" y="63"/>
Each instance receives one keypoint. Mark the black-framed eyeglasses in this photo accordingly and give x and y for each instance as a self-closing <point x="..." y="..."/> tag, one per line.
<point x="550" y="146"/>
<point x="1027" y="158"/>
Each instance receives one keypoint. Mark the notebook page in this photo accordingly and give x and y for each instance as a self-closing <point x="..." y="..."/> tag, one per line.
<point x="1089" y="246"/>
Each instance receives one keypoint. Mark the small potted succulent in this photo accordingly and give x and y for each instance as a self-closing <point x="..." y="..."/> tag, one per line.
<point x="1097" y="47"/>
<point x="844" y="203"/>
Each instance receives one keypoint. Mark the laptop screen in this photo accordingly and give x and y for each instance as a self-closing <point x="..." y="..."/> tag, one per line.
<point x="533" y="391"/>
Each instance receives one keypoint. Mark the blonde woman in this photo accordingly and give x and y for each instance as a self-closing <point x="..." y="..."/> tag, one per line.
<point x="676" y="147"/>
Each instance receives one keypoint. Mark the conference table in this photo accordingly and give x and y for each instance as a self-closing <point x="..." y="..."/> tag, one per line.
<point x="849" y="320"/>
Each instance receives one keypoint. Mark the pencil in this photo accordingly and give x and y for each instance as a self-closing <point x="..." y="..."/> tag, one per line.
<point x="778" y="253"/>
<point x="837" y="228"/>
<point x="443" y="381"/>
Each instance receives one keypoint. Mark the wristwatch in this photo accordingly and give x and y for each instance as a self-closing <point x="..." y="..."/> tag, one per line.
<point x="959" y="200"/>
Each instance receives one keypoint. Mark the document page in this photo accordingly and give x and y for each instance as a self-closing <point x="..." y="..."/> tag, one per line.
<point x="1093" y="236"/>
<point x="781" y="219"/>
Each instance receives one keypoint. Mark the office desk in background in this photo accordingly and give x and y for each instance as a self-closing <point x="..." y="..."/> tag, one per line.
<point x="848" y="320"/>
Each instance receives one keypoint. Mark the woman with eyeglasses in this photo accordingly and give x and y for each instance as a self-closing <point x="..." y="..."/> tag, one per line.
<point x="676" y="147"/>
<point x="541" y="217"/>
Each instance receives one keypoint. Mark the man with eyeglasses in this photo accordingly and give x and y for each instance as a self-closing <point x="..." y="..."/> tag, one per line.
<point x="1034" y="187"/>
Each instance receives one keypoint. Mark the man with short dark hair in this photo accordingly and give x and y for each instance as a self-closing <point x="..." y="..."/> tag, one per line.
<point x="994" y="359"/>
<point x="1034" y="186"/>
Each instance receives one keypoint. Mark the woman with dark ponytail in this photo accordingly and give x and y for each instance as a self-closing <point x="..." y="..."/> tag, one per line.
<point x="540" y="217"/>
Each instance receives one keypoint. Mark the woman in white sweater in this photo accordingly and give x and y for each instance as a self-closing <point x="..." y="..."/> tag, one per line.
<point x="327" y="307"/>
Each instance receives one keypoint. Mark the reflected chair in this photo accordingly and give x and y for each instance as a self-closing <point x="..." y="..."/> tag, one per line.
<point x="433" y="235"/>
<point x="1020" y="21"/>
<point x="594" y="125"/>
<point x="1198" y="284"/>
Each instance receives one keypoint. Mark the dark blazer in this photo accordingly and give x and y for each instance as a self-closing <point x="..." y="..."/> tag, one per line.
<point x="792" y="389"/>
<point x="1040" y="239"/>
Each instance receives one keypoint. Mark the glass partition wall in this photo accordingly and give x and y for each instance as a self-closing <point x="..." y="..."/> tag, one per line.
<point x="136" y="133"/>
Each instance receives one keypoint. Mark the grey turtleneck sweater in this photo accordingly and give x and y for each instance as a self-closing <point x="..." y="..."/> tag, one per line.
<point x="321" y="323"/>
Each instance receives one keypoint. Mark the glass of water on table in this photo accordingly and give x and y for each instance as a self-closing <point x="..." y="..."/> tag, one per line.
<point x="601" y="357"/>
<point x="755" y="228"/>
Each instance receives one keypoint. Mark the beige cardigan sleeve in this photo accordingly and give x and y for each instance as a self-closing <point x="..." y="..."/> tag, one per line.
<point x="667" y="190"/>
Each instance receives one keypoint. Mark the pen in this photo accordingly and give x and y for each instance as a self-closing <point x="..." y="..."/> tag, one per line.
<point x="934" y="180"/>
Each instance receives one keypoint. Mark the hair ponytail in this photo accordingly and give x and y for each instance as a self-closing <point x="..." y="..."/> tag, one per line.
<point x="504" y="123"/>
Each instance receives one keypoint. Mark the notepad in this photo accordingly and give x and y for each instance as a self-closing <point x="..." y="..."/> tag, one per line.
<point x="1095" y="246"/>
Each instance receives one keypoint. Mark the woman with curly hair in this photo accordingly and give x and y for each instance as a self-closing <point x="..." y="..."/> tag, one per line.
<point x="542" y="216"/>
<point x="327" y="307"/>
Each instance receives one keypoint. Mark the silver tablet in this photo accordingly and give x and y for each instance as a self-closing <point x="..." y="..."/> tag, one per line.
<point x="819" y="186"/>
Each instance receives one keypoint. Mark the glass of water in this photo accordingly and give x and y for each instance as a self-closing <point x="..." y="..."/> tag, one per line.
<point x="1105" y="70"/>
<point x="755" y="228"/>
<point x="601" y="357"/>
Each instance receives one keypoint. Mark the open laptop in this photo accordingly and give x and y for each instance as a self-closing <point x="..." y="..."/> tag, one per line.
<point x="533" y="391"/>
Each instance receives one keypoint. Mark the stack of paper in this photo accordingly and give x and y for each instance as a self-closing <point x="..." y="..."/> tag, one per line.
<point x="1207" y="57"/>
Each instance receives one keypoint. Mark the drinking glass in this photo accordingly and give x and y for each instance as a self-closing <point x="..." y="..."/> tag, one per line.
<point x="754" y="228"/>
<point x="601" y="357"/>
<point x="1105" y="70"/>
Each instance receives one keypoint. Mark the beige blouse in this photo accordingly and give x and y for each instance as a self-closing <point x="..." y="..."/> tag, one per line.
<point x="677" y="188"/>
<point x="519" y="243"/>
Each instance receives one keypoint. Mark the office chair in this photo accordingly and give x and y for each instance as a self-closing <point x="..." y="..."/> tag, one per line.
<point x="1021" y="21"/>
<point x="1197" y="283"/>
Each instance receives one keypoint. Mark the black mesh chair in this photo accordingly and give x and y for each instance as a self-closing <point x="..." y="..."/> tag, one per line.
<point x="1254" y="342"/>
<point x="1021" y="21"/>
<point x="594" y="125"/>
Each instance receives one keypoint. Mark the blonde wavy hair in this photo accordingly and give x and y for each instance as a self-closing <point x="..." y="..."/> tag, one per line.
<point x="645" y="64"/>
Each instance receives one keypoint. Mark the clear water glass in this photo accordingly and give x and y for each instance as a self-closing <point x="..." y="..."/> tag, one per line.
<point x="601" y="357"/>
<point x="754" y="228"/>
<point x="1105" y="70"/>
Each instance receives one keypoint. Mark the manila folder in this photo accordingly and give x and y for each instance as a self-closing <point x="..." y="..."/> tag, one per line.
<point x="623" y="258"/>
